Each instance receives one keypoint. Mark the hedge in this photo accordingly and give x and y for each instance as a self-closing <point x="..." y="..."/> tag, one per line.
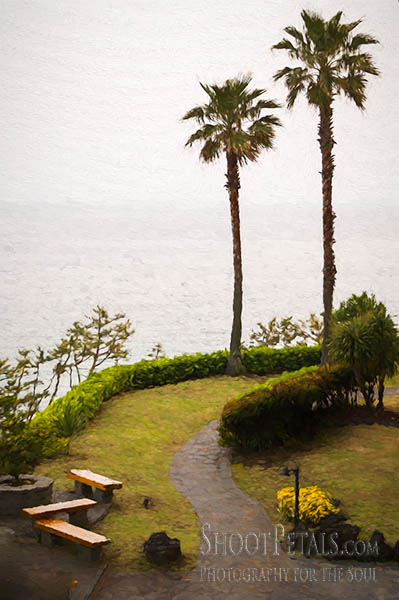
<point x="50" y="430"/>
<point x="284" y="409"/>
<point x="264" y="361"/>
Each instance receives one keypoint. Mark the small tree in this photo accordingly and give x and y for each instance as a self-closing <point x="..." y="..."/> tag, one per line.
<point x="19" y="401"/>
<point x="84" y="348"/>
<point x="157" y="352"/>
<point x="286" y="331"/>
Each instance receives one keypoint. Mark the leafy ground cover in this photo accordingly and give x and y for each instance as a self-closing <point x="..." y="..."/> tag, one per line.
<point x="356" y="464"/>
<point x="133" y="439"/>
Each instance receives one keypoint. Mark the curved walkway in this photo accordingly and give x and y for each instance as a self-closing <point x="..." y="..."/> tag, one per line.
<point x="201" y="472"/>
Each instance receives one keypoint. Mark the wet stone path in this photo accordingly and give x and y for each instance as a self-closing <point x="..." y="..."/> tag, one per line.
<point x="239" y="557"/>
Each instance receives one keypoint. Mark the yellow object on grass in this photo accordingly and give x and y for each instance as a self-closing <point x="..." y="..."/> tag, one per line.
<point x="314" y="504"/>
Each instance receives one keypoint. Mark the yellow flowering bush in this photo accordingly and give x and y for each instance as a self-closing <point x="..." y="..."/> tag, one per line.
<point x="314" y="504"/>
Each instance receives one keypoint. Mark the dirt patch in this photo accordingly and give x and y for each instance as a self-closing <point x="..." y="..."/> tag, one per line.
<point x="362" y="415"/>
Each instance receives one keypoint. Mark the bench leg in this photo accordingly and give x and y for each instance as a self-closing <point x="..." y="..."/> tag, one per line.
<point x="50" y="540"/>
<point x="82" y="490"/>
<point x="36" y="531"/>
<point x="79" y="519"/>
<point x="104" y="497"/>
<point x="89" y="554"/>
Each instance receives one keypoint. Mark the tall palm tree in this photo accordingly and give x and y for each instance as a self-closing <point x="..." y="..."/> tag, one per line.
<point x="232" y="123"/>
<point x="332" y="62"/>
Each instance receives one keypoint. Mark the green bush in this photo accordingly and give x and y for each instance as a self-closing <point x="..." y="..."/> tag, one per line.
<point x="68" y="414"/>
<point x="275" y="414"/>
<point x="364" y="336"/>
<point x="263" y="361"/>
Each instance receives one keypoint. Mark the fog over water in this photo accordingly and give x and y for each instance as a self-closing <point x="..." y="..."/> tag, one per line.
<point x="101" y="203"/>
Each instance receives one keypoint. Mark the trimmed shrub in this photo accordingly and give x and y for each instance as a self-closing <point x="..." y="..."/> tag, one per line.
<point x="263" y="361"/>
<point x="51" y="428"/>
<point x="268" y="416"/>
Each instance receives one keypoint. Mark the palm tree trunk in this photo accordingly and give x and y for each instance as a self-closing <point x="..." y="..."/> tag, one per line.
<point x="381" y="389"/>
<point x="326" y="142"/>
<point x="234" y="364"/>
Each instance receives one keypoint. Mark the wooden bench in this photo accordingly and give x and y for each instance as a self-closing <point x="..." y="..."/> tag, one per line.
<point x="85" y="480"/>
<point x="89" y="543"/>
<point x="76" y="509"/>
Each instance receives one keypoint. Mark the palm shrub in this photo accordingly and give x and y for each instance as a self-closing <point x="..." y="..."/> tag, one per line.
<point x="364" y="336"/>
<point x="68" y="418"/>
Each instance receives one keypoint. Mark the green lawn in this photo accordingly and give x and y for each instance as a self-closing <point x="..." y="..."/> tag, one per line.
<point x="359" y="465"/>
<point x="136" y="434"/>
<point x="133" y="439"/>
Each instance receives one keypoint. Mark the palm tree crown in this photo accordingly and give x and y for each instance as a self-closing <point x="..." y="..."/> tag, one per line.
<point x="231" y="121"/>
<point x="332" y="60"/>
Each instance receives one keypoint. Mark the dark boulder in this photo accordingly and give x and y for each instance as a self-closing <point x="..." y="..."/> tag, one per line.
<point x="160" y="548"/>
<point x="384" y="551"/>
<point x="331" y="521"/>
<point x="332" y="539"/>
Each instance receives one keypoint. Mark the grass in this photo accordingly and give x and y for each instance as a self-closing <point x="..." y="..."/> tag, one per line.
<point x="356" y="464"/>
<point x="136" y="434"/>
<point x="133" y="439"/>
<point x="392" y="381"/>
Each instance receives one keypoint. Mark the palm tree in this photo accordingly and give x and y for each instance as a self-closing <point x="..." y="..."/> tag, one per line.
<point x="232" y="123"/>
<point x="331" y="63"/>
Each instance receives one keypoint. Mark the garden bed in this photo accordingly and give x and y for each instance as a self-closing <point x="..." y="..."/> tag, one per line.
<point x="357" y="464"/>
<point x="362" y="415"/>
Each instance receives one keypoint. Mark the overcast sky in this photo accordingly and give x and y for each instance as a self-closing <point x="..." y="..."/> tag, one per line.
<point x="92" y="94"/>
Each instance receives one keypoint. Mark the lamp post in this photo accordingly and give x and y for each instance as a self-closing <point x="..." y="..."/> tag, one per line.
<point x="287" y="472"/>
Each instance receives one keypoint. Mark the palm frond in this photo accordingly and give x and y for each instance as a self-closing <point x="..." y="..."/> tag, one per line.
<point x="289" y="46"/>
<point x="211" y="150"/>
<point x="357" y="63"/>
<point x="361" y="39"/>
<point x="293" y="32"/>
<point x="293" y="94"/>
<point x="259" y="124"/>
<point x="197" y="113"/>
<point x="204" y="133"/>
<point x="254" y="111"/>
<point x="353" y="86"/>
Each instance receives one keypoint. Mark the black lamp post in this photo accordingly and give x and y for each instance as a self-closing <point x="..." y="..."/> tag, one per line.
<point x="286" y="471"/>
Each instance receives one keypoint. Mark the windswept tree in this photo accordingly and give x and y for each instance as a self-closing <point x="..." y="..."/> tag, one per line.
<point x="331" y="61"/>
<point x="233" y="123"/>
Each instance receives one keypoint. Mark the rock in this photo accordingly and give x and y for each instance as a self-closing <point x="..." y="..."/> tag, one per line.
<point x="160" y="548"/>
<point x="331" y="521"/>
<point x="385" y="551"/>
<point x="336" y="534"/>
